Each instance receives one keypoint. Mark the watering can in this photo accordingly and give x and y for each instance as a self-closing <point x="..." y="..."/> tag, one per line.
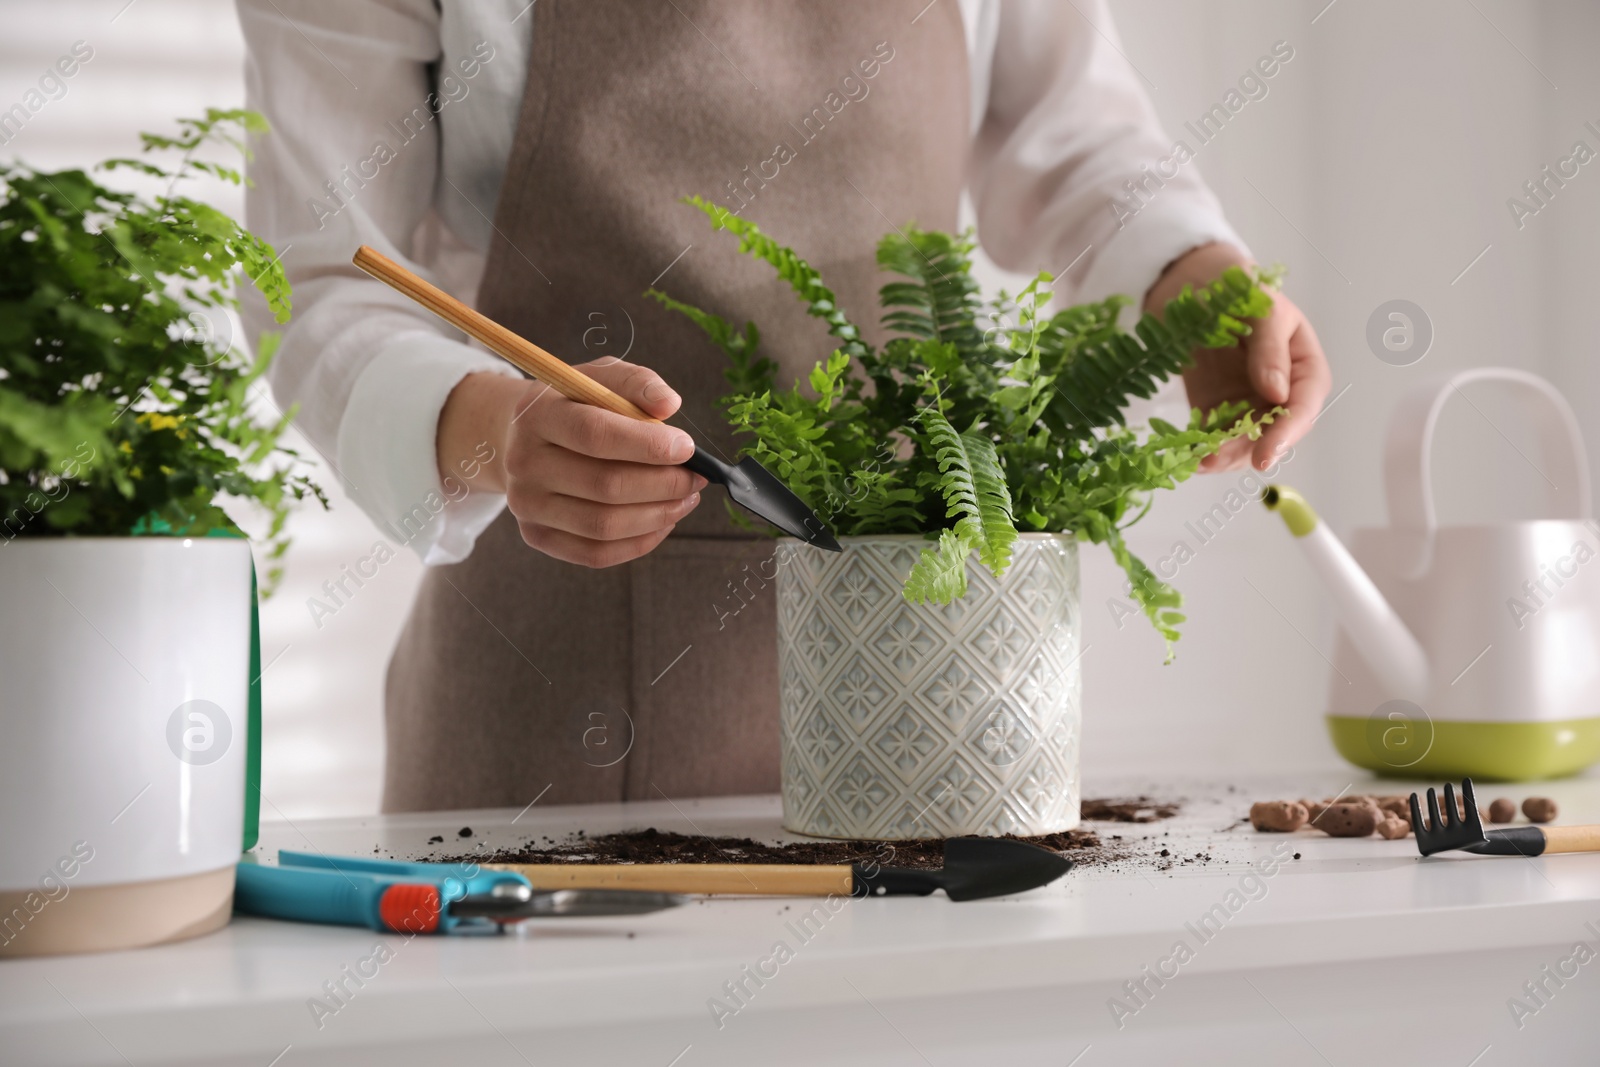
<point x="1464" y="650"/>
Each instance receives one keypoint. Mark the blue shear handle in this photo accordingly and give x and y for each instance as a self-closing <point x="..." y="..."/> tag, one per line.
<point x="310" y="895"/>
<point x="455" y="880"/>
<point x="427" y="872"/>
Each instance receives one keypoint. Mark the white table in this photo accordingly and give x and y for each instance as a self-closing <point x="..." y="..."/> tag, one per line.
<point x="1337" y="959"/>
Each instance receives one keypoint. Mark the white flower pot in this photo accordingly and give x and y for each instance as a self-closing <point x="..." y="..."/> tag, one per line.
<point x="905" y="721"/>
<point x="124" y="676"/>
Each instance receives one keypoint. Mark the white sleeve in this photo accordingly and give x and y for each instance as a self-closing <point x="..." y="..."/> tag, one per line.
<point x="352" y="159"/>
<point x="1065" y="126"/>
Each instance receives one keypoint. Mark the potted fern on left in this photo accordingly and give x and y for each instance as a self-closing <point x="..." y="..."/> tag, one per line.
<point x="928" y="673"/>
<point x="126" y="644"/>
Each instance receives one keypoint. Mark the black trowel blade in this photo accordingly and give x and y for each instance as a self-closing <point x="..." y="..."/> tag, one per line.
<point x="979" y="867"/>
<point x="759" y="492"/>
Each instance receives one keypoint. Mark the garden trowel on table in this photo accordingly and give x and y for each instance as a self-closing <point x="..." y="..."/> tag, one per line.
<point x="751" y="485"/>
<point x="975" y="868"/>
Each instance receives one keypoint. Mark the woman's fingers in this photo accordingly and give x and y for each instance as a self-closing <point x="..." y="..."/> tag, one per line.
<point x="607" y="482"/>
<point x="611" y="522"/>
<point x="1309" y="382"/>
<point x="585" y="552"/>
<point x="594" y="488"/>
<point x="632" y="382"/>
<point x="592" y="431"/>
<point x="1231" y="456"/>
<point x="1267" y="359"/>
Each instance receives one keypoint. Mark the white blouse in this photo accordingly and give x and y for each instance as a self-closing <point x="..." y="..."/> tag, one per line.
<point x="392" y="121"/>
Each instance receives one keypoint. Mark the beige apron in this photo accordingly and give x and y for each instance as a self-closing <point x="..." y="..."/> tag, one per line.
<point x="825" y="122"/>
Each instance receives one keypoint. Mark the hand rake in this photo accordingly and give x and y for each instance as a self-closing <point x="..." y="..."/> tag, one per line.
<point x="1452" y="830"/>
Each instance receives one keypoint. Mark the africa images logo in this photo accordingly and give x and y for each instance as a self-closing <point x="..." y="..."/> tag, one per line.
<point x="199" y="732"/>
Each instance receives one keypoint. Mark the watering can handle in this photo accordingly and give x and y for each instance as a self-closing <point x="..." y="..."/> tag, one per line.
<point x="1408" y="452"/>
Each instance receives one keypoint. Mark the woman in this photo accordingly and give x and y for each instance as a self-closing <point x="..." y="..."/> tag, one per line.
<point x="569" y="632"/>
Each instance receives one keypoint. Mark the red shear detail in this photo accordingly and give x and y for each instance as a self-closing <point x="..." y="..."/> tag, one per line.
<point x="410" y="908"/>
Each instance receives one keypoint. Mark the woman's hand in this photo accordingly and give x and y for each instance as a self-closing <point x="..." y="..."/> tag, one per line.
<point x="586" y="486"/>
<point x="1280" y="362"/>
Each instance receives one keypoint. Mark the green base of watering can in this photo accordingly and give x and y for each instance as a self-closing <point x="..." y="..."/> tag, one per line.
<point x="1484" y="751"/>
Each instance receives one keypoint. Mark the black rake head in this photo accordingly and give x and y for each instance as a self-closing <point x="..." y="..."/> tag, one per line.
<point x="1442" y="833"/>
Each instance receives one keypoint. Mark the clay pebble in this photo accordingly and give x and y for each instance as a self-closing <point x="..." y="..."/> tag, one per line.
<point x="1396" y="805"/>
<point x="1539" y="809"/>
<point x="1278" y="816"/>
<point x="1361" y="814"/>
<point x="1393" y="827"/>
<point x="1349" y="820"/>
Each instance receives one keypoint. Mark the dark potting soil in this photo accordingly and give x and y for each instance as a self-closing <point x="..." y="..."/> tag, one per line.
<point x="664" y="846"/>
<point x="1128" y="809"/>
<point x="650" y="845"/>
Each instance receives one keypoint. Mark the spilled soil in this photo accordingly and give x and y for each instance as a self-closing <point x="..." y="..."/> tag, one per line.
<point x="1131" y="809"/>
<point x="1085" y="847"/>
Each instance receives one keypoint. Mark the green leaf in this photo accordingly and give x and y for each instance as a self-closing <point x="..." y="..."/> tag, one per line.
<point x="802" y="278"/>
<point x="974" y="489"/>
<point x="940" y="300"/>
<point x="748" y="371"/>
<point x="1102" y="370"/>
<point x="1155" y="597"/>
<point x="940" y="574"/>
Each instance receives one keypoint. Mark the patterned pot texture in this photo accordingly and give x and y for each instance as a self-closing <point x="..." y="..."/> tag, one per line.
<point x="905" y="721"/>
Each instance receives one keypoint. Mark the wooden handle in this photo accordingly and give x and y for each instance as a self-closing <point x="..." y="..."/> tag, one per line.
<point x="1571" y="838"/>
<point x="743" y="879"/>
<point x="518" y="351"/>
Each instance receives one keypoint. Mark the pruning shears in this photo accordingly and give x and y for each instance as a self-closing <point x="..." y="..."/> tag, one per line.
<point x="417" y="898"/>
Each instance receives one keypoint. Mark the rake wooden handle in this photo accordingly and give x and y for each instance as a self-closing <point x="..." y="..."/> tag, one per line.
<point x="518" y="351"/>
<point x="743" y="879"/>
<point x="1571" y="838"/>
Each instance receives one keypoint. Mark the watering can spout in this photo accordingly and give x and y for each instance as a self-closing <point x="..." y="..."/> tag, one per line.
<point x="1383" y="640"/>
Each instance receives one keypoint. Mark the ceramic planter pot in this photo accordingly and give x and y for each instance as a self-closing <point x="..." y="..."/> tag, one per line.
<point x="124" y="674"/>
<point x="904" y="721"/>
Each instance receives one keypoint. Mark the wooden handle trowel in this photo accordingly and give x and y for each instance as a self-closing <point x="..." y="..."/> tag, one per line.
<point x="751" y="485"/>
<point x="975" y="868"/>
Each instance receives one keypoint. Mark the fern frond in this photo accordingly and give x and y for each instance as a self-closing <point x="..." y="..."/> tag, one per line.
<point x="748" y="372"/>
<point x="1095" y="385"/>
<point x="801" y="276"/>
<point x="1157" y="599"/>
<point x="1213" y="316"/>
<point x="974" y="489"/>
<point x="940" y="574"/>
<point x="942" y="300"/>
<point x="1097" y="381"/>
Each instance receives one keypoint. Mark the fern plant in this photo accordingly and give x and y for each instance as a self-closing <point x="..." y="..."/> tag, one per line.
<point x="121" y="410"/>
<point x="980" y="419"/>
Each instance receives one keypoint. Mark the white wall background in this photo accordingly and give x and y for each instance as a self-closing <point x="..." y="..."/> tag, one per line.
<point x="1377" y="168"/>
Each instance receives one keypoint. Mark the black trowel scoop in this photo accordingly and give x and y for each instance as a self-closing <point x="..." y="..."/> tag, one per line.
<point x="759" y="492"/>
<point x="750" y="485"/>
<point x="974" y="868"/>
